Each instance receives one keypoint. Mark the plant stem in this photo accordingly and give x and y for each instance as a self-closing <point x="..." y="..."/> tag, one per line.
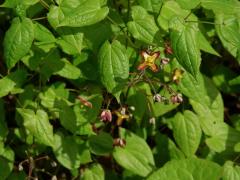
<point x="44" y="4"/>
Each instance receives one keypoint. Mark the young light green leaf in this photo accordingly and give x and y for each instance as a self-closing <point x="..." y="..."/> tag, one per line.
<point x="6" y="161"/>
<point x="101" y="144"/>
<point x="18" y="40"/>
<point x="205" y="99"/>
<point x="224" y="138"/>
<point x="38" y="125"/>
<point x="84" y="13"/>
<point x="42" y="34"/>
<point x="151" y="5"/>
<point x="113" y="67"/>
<point x="204" y="44"/>
<point x="94" y="172"/>
<point x="192" y="168"/>
<point x="235" y="81"/>
<point x="223" y="6"/>
<point x="185" y="46"/>
<point x="143" y="26"/>
<point x="69" y="150"/>
<point x="227" y="27"/>
<point x="188" y="4"/>
<point x="12" y="81"/>
<point x="71" y="40"/>
<point x="136" y="156"/>
<point x="230" y="171"/>
<point x="187" y="132"/>
<point x="170" y="10"/>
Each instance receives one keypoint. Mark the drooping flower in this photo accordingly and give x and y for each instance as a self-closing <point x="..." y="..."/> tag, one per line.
<point x="168" y="49"/>
<point x="106" y="116"/>
<point x="121" y="116"/>
<point x="119" y="142"/>
<point x="177" y="98"/>
<point x="177" y="75"/>
<point x="165" y="61"/>
<point x="149" y="60"/>
<point x="85" y="102"/>
<point x="157" y="98"/>
<point x="152" y="120"/>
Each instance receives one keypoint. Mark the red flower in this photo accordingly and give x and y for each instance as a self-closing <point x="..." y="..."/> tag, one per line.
<point x="149" y="60"/>
<point x="106" y="116"/>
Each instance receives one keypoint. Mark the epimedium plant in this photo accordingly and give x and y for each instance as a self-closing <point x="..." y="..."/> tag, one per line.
<point x="119" y="89"/>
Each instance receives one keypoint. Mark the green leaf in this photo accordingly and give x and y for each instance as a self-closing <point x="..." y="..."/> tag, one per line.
<point x="143" y="26"/>
<point x="67" y="116"/>
<point x="205" y="99"/>
<point x="71" y="40"/>
<point x="222" y="77"/>
<point x="18" y="40"/>
<point x="204" y="45"/>
<point x="83" y="13"/>
<point x="101" y="144"/>
<point x="166" y="150"/>
<point x="52" y="64"/>
<point x="38" y="125"/>
<point x="42" y="34"/>
<point x="12" y="81"/>
<point x="235" y="81"/>
<point x="3" y="124"/>
<point x="185" y="46"/>
<point x="68" y="150"/>
<point x="137" y="98"/>
<point x="67" y="70"/>
<point x="231" y="171"/>
<point x="170" y="10"/>
<point x="227" y="27"/>
<point x="196" y="169"/>
<point x="151" y="5"/>
<point x="15" y="3"/>
<point x="187" y="132"/>
<point x="224" y="138"/>
<point x="136" y="156"/>
<point x="188" y="4"/>
<point x="49" y="95"/>
<point x="94" y="172"/>
<point x="113" y="67"/>
<point x="6" y="161"/>
<point x="223" y="6"/>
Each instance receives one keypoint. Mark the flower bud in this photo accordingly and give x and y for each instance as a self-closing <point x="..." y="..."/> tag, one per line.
<point x="157" y="98"/>
<point x="132" y="108"/>
<point x="177" y="98"/>
<point x="106" y="116"/>
<point x="165" y="61"/>
<point x="119" y="142"/>
<point x="168" y="49"/>
<point x="152" y="120"/>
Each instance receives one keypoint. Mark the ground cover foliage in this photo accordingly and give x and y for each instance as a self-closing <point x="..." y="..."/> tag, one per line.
<point x="120" y="89"/>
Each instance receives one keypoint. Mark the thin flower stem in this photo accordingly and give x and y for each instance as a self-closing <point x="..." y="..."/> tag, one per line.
<point x="203" y="22"/>
<point x="39" y="18"/>
<point x="44" y="4"/>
